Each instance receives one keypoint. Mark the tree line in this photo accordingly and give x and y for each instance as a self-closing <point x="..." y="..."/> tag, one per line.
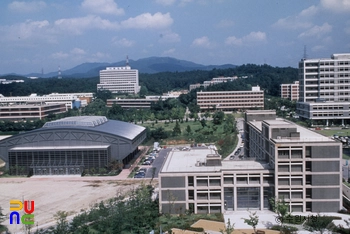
<point x="268" y="77"/>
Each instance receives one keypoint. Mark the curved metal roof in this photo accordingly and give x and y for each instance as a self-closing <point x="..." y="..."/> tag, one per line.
<point x="97" y="123"/>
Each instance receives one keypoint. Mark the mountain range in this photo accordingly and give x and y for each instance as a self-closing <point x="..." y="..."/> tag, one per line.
<point x="145" y="65"/>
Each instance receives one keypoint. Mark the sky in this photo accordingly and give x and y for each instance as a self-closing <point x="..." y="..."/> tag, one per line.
<point x="38" y="36"/>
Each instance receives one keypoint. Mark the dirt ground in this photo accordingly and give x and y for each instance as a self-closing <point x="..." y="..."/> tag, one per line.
<point x="52" y="194"/>
<point x="208" y="226"/>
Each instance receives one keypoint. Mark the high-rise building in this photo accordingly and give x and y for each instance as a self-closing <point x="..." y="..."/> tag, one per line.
<point x="324" y="88"/>
<point x="119" y="80"/>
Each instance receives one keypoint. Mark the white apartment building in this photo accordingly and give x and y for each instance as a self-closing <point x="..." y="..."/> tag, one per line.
<point x="325" y="81"/>
<point x="281" y="159"/>
<point x="216" y="80"/>
<point x="231" y="100"/>
<point x="71" y="100"/>
<point x="119" y="79"/>
<point x="290" y="91"/>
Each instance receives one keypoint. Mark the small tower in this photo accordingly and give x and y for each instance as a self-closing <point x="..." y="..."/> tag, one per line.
<point x="59" y="73"/>
<point x="127" y="61"/>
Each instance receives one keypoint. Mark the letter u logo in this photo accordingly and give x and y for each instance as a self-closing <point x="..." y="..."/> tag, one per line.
<point x="26" y="208"/>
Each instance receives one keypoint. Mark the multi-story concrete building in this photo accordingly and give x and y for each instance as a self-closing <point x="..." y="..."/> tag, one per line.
<point x="119" y="80"/>
<point x="132" y="103"/>
<point x="214" y="81"/>
<point x="29" y="112"/>
<point x="290" y="91"/>
<point x="282" y="160"/>
<point x="231" y="100"/>
<point x="325" y="81"/>
<point x="70" y="100"/>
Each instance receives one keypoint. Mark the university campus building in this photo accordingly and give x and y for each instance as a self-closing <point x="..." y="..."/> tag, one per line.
<point x="231" y="100"/>
<point x="71" y="145"/>
<point x="30" y="112"/>
<point x="281" y="159"/>
<point x="119" y="80"/>
<point x="324" y="88"/>
<point x="290" y="91"/>
<point x="70" y="100"/>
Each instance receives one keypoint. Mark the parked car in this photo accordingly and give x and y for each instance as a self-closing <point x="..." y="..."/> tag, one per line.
<point x="232" y="157"/>
<point x="146" y="162"/>
<point x="144" y="170"/>
<point x="139" y="175"/>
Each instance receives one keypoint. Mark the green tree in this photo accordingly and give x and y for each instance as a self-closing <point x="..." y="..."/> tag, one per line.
<point x="252" y="221"/>
<point x="62" y="226"/>
<point x="318" y="223"/>
<point x="177" y="129"/>
<point x="97" y="107"/>
<point x="2" y="219"/>
<point x="203" y="122"/>
<point x="103" y="95"/>
<point x="188" y="129"/>
<point x="280" y="207"/>
<point x="229" y="228"/>
<point x="218" y="117"/>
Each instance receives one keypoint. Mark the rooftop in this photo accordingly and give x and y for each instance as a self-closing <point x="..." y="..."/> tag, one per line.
<point x="306" y="135"/>
<point x="193" y="160"/>
<point x="97" y="123"/>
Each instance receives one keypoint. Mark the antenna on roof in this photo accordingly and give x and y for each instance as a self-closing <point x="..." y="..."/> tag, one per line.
<point x="127" y="61"/>
<point x="305" y="55"/>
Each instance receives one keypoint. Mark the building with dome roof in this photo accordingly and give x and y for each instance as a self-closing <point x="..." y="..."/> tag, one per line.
<point x="71" y="145"/>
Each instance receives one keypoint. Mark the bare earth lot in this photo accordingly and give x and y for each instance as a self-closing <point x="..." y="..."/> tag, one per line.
<point x="52" y="194"/>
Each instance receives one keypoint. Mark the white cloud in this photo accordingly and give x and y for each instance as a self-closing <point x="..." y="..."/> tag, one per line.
<point x="202" y="42"/>
<point x="123" y="42"/>
<point x="250" y="39"/>
<point x="169" y="37"/>
<point x="78" y="51"/>
<point x="300" y="21"/>
<point x="60" y="55"/>
<point x="318" y="48"/>
<point x="338" y="6"/>
<point x="102" y="6"/>
<point x="34" y="6"/>
<point x="146" y="20"/>
<point x="78" y="25"/>
<point x="316" y="31"/>
<point x="170" y="51"/>
<point x="225" y="24"/>
<point x="26" y="31"/>
<point x="165" y="2"/>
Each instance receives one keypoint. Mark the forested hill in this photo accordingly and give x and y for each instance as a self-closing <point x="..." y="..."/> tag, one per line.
<point x="267" y="77"/>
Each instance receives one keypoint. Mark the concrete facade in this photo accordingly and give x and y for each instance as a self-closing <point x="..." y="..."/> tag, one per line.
<point x="119" y="80"/>
<point x="231" y="100"/>
<point x="325" y="81"/>
<point x="290" y="91"/>
<point x="282" y="160"/>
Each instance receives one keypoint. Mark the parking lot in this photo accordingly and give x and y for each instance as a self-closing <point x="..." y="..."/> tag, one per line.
<point x="157" y="163"/>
